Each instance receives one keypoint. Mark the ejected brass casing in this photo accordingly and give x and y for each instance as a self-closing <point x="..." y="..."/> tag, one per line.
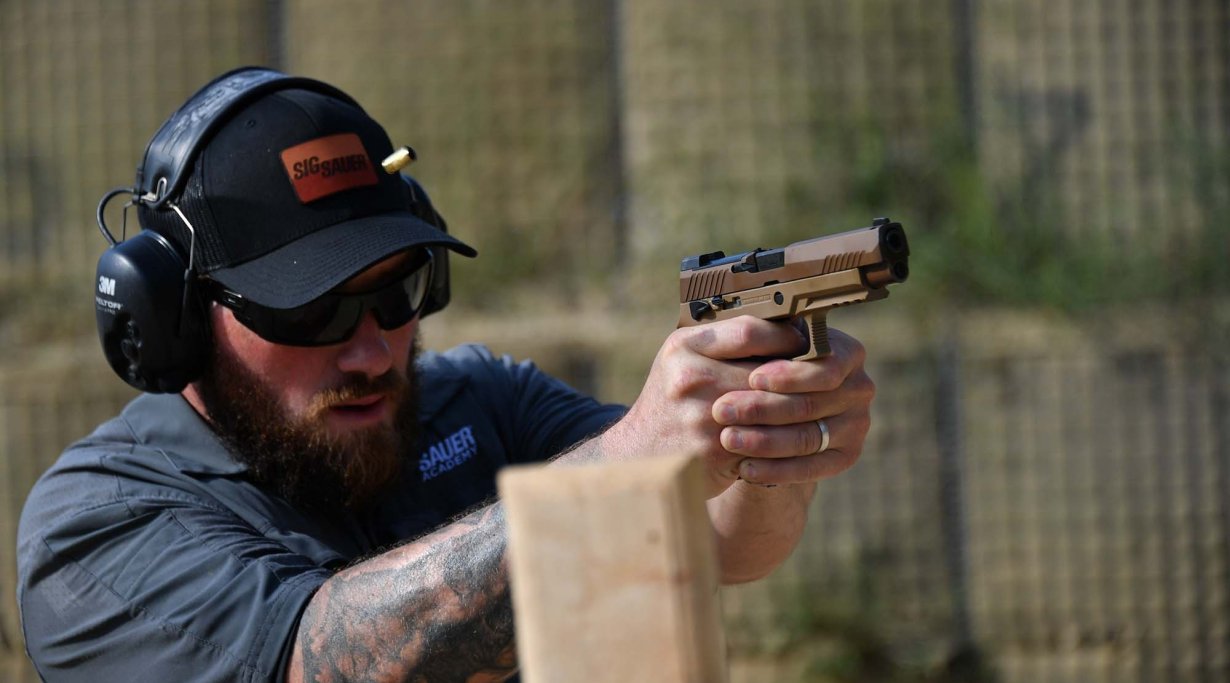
<point x="399" y="159"/>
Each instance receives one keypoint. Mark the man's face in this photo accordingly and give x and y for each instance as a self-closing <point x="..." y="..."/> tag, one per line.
<point x="323" y="426"/>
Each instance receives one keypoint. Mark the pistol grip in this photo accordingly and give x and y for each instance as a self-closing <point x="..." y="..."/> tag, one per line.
<point x="818" y="335"/>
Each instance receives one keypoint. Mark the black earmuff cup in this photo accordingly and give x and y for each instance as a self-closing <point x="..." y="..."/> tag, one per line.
<point x="150" y="338"/>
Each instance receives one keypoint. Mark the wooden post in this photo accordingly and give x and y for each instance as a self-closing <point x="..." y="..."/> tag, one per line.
<point x="614" y="575"/>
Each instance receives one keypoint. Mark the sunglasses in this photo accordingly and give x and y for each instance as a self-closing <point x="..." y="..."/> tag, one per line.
<point x="334" y="316"/>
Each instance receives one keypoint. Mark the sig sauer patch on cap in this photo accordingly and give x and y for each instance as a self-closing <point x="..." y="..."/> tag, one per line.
<point x="325" y="166"/>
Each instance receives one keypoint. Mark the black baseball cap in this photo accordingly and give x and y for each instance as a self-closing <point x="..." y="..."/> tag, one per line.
<point x="287" y="200"/>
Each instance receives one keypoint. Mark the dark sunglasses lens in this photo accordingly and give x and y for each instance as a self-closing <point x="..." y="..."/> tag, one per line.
<point x="399" y="303"/>
<point x="326" y="320"/>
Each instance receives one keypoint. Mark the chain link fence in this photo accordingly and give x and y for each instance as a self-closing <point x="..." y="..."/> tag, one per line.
<point x="1044" y="493"/>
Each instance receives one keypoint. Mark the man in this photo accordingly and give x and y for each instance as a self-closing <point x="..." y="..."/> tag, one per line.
<point x="304" y="509"/>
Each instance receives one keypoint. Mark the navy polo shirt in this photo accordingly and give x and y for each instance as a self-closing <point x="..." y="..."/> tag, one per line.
<point x="146" y="554"/>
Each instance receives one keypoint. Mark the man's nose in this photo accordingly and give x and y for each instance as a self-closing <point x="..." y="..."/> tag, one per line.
<point x="367" y="351"/>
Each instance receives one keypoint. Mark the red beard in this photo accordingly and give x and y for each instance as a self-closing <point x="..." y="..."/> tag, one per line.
<point x="297" y="458"/>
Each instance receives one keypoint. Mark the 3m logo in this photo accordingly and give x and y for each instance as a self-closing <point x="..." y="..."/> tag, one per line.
<point x="328" y="165"/>
<point x="106" y="285"/>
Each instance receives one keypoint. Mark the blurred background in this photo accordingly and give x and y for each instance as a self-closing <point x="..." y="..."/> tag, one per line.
<point x="1045" y="495"/>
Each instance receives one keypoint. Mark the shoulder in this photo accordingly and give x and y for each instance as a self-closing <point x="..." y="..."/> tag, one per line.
<point x="535" y="412"/>
<point x="473" y="370"/>
<point x="133" y="527"/>
<point x="127" y="465"/>
<point x="84" y="474"/>
<point x="476" y="371"/>
<point x="465" y="360"/>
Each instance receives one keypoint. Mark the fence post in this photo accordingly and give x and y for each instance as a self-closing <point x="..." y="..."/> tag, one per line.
<point x="950" y="447"/>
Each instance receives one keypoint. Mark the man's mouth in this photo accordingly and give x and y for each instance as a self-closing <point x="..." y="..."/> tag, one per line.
<point x="362" y="410"/>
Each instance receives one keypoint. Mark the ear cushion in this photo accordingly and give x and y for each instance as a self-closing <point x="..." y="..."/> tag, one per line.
<point x="154" y="334"/>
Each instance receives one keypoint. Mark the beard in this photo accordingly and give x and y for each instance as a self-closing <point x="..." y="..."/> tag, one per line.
<point x="295" y="456"/>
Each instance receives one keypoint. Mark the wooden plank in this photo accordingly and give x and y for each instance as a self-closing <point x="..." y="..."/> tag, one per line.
<point x="614" y="575"/>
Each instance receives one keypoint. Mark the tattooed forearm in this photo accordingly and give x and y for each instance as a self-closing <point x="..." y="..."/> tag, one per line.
<point x="589" y="450"/>
<point x="435" y="609"/>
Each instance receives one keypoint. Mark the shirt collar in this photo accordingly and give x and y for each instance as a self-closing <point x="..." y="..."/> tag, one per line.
<point x="167" y="423"/>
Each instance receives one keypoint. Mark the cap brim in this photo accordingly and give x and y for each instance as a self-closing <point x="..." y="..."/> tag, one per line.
<point x="316" y="263"/>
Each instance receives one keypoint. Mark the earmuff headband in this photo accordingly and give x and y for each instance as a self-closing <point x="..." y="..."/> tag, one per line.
<point x="169" y="156"/>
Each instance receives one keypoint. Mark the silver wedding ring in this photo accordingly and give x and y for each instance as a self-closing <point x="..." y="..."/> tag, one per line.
<point x="824" y="436"/>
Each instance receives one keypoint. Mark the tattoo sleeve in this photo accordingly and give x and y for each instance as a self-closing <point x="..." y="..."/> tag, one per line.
<point x="435" y="609"/>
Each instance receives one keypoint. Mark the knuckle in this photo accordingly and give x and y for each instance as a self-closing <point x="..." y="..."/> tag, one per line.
<point x="808" y="407"/>
<point x="852" y="348"/>
<point x="858" y="352"/>
<point x="831" y="464"/>
<point x="689" y="380"/>
<point x="830" y="378"/>
<point x="741" y="330"/>
<point x="862" y="387"/>
<point x="806" y="440"/>
<point x="677" y="341"/>
<point x="843" y="460"/>
<point x="861" y="425"/>
<point x="815" y="468"/>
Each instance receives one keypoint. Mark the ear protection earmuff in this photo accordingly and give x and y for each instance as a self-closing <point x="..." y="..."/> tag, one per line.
<point x="153" y="327"/>
<point x="154" y="332"/>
